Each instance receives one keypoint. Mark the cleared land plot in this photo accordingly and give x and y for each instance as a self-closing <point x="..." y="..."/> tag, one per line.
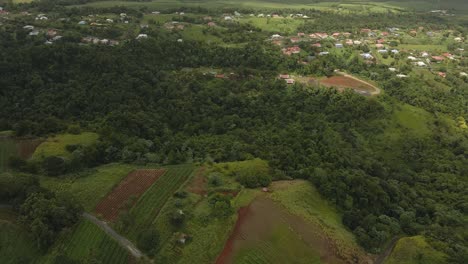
<point x="344" y="82"/>
<point x="92" y="188"/>
<point x="55" y="146"/>
<point x="134" y="185"/>
<point x="266" y="233"/>
<point x="89" y="240"/>
<point x="277" y="25"/>
<point x="151" y="202"/>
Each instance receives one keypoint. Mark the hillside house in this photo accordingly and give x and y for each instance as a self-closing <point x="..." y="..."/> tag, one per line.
<point x="284" y="76"/>
<point x="301" y="34"/>
<point x="442" y="74"/>
<point x="367" y="56"/>
<point x="338" y="45"/>
<point x="289" y="81"/>
<point x="438" y="58"/>
<point x="211" y="24"/>
<point x="142" y="36"/>
<point x="317" y="45"/>
<point x="291" y="50"/>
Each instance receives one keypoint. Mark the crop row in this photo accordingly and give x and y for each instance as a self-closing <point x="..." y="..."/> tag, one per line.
<point x="151" y="202"/>
<point x="88" y="240"/>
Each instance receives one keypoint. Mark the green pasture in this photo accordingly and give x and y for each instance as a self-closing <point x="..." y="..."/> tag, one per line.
<point x="302" y="198"/>
<point x="91" y="188"/>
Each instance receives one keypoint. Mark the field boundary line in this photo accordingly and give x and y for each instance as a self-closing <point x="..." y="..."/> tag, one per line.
<point x="125" y="243"/>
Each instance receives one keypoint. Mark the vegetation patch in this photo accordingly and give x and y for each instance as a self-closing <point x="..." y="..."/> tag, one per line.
<point x="16" y="245"/>
<point x="415" y="250"/>
<point x="57" y="145"/>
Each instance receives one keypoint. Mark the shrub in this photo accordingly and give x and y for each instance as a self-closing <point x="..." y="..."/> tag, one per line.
<point x="54" y="166"/>
<point x="252" y="177"/>
<point x="148" y="241"/>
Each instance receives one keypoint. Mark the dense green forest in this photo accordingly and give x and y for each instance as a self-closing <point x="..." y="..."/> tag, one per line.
<point x="149" y="103"/>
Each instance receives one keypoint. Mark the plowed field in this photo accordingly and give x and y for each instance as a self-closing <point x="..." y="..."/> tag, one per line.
<point x="134" y="185"/>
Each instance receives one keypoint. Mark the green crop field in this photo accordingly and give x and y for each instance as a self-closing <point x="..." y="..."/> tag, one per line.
<point x="415" y="250"/>
<point x="55" y="146"/>
<point x="7" y="149"/>
<point x="15" y="244"/>
<point x="88" y="241"/>
<point x="150" y="203"/>
<point x="90" y="189"/>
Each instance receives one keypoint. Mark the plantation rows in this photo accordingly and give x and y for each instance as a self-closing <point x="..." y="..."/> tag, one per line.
<point x="151" y="202"/>
<point x="89" y="240"/>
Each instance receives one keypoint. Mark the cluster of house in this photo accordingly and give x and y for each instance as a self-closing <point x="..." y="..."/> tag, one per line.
<point x="94" y="40"/>
<point x="3" y="11"/>
<point x="51" y="34"/>
<point x="287" y="78"/>
<point x="174" y="25"/>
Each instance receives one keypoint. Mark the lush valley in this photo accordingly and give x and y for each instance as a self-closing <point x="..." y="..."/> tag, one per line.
<point x="233" y="132"/>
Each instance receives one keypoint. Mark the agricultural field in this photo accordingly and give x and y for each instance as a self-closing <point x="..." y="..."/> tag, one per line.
<point x="16" y="246"/>
<point x="55" y="146"/>
<point x="148" y="206"/>
<point x="130" y="188"/>
<point x="415" y="250"/>
<point x="91" y="188"/>
<point x="87" y="242"/>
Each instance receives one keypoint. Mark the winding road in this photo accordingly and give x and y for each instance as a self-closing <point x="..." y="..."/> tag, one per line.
<point x="125" y="243"/>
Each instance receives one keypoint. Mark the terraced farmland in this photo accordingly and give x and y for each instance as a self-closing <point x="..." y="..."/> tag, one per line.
<point x="151" y="202"/>
<point x="88" y="240"/>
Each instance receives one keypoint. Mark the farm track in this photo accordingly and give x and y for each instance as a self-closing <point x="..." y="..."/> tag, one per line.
<point x="125" y="243"/>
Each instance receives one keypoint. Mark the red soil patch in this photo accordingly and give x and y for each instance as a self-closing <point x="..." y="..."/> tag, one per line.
<point x="134" y="185"/>
<point x="346" y="82"/>
<point x="198" y="184"/>
<point x="233" y="193"/>
<point x="225" y="255"/>
<point x="26" y="147"/>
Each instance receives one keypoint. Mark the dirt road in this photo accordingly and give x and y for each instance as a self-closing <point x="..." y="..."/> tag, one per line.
<point x="125" y="243"/>
<point x="376" y="91"/>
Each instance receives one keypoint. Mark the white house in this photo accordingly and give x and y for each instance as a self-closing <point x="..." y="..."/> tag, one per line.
<point x="140" y="36"/>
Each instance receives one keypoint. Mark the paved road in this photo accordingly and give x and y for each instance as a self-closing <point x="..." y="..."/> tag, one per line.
<point x="120" y="239"/>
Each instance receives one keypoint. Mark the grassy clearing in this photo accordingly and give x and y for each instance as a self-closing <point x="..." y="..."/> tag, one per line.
<point x="428" y="48"/>
<point x="414" y="119"/>
<point x="415" y="250"/>
<point x="195" y="32"/>
<point x="55" y="146"/>
<point x="152" y="201"/>
<point x="87" y="242"/>
<point x="90" y="189"/>
<point x="15" y="244"/>
<point x="302" y="198"/>
<point x="291" y="245"/>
